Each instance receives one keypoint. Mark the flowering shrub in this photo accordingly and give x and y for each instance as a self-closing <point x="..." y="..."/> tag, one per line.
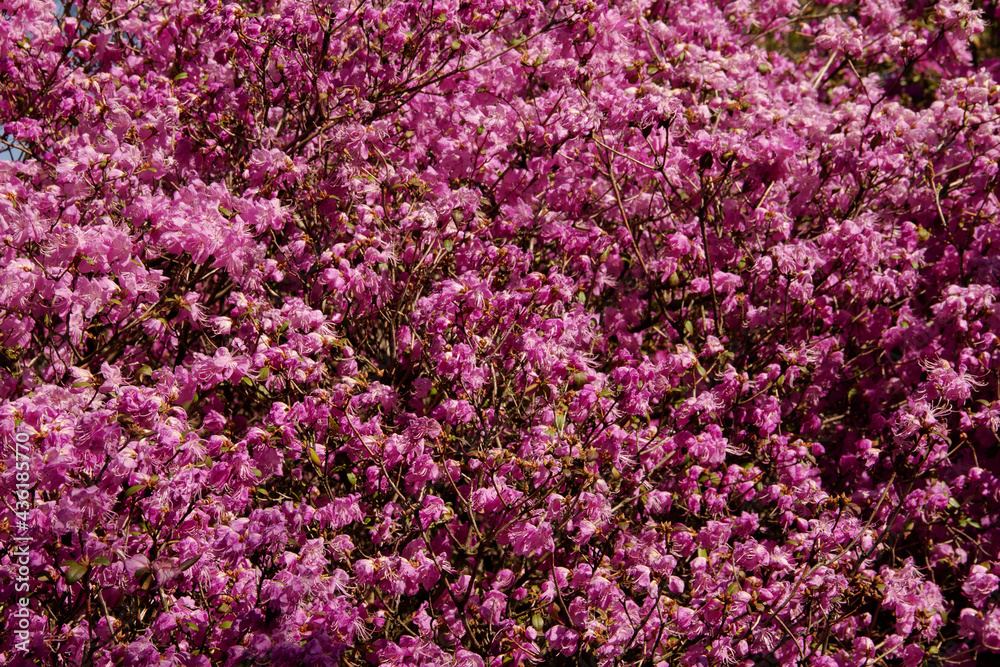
<point x="502" y="332"/>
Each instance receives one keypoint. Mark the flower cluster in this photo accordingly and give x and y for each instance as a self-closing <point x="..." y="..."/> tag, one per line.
<point x="502" y="332"/>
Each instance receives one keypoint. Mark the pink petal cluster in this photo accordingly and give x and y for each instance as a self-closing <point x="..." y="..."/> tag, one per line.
<point x="499" y="332"/>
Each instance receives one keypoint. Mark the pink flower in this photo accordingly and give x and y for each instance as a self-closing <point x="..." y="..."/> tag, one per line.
<point x="979" y="585"/>
<point x="529" y="539"/>
<point x="562" y="639"/>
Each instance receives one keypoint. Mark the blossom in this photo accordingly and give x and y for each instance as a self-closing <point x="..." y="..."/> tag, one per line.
<point x="979" y="585"/>
<point x="435" y="333"/>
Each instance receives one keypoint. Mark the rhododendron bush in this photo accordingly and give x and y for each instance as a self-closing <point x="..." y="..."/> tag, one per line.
<point x="500" y="332"/>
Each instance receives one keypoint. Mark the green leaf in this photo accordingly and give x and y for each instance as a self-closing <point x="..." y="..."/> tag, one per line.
<point x="74" y="571"/>
<point x="225" y="625"/>
<point x="132" y="490"/>
<point x="352" y="478"/>
<point x="538" y="622"/>
<point x="100" y="560"/>
<point x="193" y="626"/>
<point x="181" y="76"/>
<point x="314" y="457"/>
<point x="186" y="564"/>
<point x="256" y="472"/>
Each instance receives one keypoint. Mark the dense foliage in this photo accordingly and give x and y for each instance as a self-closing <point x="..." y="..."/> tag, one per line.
<point x="501" y="332"/>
